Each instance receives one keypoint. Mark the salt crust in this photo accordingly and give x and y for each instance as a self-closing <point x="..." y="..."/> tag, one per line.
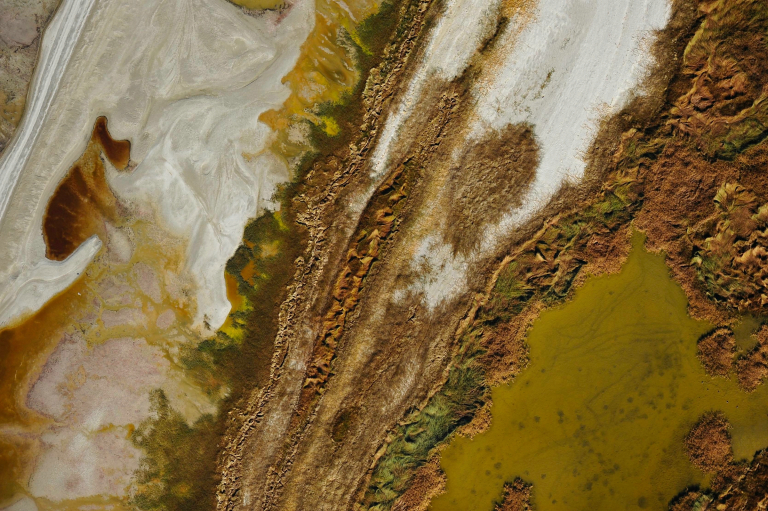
<point x="185" y="81"/>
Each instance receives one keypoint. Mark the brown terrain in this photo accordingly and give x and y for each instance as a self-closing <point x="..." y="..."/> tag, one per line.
<point x="517" y="497"/>
<point x="709" y="444"/>
<point x="364" y="385"/>
<point x="716" y="351"/>
<point x="734" y="487"/>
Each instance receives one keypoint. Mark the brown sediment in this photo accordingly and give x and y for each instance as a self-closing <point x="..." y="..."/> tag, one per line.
<point x="10" y="469"/>
<point x="25" y="346"/>
<point x="517" y="497"/>
<point x="752" y="368"/>
<point x="708" y="444"/>
<point x="108" y="285"/>
<point x="83" y="201"/>
<point x="260" y="5"/>
<point x="716" y="351"/>
<point x="490" y="178"/>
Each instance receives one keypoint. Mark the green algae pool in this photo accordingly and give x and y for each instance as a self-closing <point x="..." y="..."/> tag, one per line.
<point x="597" y="420"/>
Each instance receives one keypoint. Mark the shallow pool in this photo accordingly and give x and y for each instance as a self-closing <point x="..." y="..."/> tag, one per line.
<point x="597" y="420"/>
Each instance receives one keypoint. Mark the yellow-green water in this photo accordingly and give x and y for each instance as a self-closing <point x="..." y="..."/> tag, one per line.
<point x="597" y="420"/>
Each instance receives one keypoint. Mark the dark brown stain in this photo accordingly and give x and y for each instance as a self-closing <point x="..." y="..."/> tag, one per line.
<point x="83" y="201"/>
<point x="117" y="151"/>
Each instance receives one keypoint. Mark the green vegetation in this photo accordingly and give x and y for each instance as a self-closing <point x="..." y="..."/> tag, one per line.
<point x="168" y="478"/>
<point x="415" y="438"/>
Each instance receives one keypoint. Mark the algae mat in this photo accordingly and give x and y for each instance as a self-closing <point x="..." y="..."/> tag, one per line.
<point x="597" y="420"/>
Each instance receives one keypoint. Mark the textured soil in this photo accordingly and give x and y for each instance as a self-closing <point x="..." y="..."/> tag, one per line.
<point x="716" y="351"/>
<point x="734" y="488"/>
<point x="709" y="444"/>
<point x="517" y="497"/>
<point x="752" y="369"/>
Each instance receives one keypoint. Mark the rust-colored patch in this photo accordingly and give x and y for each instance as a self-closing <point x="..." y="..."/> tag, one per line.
<point x="22" y="345"/>
<point x="117" y="151"/>
<point x="517" y="497"/>
<point x="234" y="297"/>
<point x="249" y="272"/>
<point x="10" y="469"/>
<point x="716" y="350"/>
<point x="83" y="201"/>
<point x="709" y="444"/>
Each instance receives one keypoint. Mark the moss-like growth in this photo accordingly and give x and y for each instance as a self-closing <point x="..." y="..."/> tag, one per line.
<point x="167" y="480"/>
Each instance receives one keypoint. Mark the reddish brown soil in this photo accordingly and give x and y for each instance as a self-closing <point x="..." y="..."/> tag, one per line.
<point x="716" y="350"/>
<point x="517" y="497"/>
<point x="117" y="151"/>
<point x="709" y="444"/>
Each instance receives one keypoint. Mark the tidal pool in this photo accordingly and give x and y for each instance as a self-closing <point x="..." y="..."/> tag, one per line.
<point x="597" y="420"/>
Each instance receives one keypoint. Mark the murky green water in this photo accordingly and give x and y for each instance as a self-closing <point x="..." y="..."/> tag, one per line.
<point x="597" y="421"/>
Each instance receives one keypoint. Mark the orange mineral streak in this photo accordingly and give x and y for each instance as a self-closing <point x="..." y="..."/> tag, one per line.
<point x="325" y="71"/>
<point x="25" y="346"/>
<point x="232" y="293"/>
<point x="249" y="272"/>
<point x="83" y="201"/>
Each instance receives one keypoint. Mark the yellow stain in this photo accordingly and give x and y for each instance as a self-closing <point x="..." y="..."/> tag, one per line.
<point x="325" y="71"/>
<point x="330" y="126"/>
